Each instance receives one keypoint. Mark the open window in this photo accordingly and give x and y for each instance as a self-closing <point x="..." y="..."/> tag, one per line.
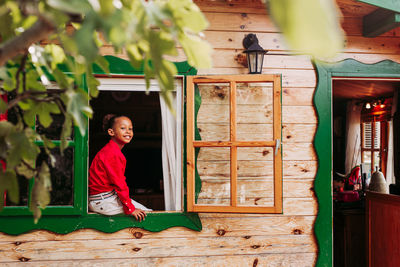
<point x="234" y="161"/>
<point x="123" y="91"/>
<point x="375" y="130"/>
<point x="153" y="171"/>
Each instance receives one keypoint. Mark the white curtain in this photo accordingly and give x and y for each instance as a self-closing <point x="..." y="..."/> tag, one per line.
<point x="171" y="177"/>
<point x="353" y="136"/>
<point x="390" y="157"/>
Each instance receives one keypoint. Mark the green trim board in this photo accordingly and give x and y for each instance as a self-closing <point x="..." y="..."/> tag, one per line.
<point x="62" y="224"/>
<point x="66" y="219"/>
<point x="322" y="100"/>
<point x="393" y="5"/>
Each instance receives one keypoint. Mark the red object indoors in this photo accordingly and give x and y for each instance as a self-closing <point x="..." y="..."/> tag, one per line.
<point x="348" y="196"/>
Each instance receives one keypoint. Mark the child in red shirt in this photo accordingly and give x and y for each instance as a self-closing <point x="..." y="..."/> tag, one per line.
<point x="108" y="191"/>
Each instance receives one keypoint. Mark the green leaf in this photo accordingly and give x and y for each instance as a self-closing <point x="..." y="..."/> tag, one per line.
<point x="102" y="63"/>
<point x="84" y="39"/>
<point x="57" y="54"/>
<point x="70" y="6"/>
<point x="6" y="25"/>
<point x="92" y="84"/>
<point x="40" y="192"/>
<point x="33" y="83"/>
<point x="26" y="171"/>
<point x="6" y="128"/>
<point x="9" y="184"/>
<point x="62" y="80"/>
<point x="106" y="7"/>
<point x="22" y="146"/>
<point x="197" y="51"/>
<point x="44" y="110"/>
<point x="78" y="107"/>
<point x="309" y="26"/>
<point x="65" y="133"/>
<point x="187" y="15"/>
<point x="3" y="106"/>
<point x="41" y="109"/>
<point x="135" y="56"/>
<point x="48" y="144"/>
<point x="9" y="81"/>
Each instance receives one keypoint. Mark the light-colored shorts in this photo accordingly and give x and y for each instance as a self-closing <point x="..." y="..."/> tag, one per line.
<point x="109" y="204"/>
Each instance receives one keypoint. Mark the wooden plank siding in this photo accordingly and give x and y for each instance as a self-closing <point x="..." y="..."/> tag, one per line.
<point x="229" y="239"/>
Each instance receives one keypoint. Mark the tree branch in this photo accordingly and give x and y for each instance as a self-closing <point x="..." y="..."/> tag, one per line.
<point x="18" y="45"/>
<point x="50" y="96"/>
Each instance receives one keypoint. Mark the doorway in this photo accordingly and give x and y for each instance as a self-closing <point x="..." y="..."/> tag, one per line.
<point x="323" y="103"/>
<point x="362" y="131"/>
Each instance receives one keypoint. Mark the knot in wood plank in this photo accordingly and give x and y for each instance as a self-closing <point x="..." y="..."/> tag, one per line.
<point x="136" y="249"/>
<point x="138" y="235"/>
<point x="221" y="232"/>
<point x="23" y="259"/>
<point x="297" y="232"/>
<point x="255" y="262"/>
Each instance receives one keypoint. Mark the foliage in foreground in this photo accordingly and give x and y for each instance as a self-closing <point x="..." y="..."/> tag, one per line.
<point x="74" y="31"/>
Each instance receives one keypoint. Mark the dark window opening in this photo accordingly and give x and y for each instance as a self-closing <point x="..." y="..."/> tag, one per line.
<point x="143" y="172"/>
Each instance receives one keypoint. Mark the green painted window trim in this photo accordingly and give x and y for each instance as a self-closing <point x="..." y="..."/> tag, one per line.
<point x="67" y="219"/>
<point x="393" y="5"/>
<point x="323" y="227"/>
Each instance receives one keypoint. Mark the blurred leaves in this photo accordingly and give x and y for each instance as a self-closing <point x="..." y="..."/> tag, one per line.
<point x="52" y="76"/>
<point x="40" y="192"/>
<point x="309" y="26"/>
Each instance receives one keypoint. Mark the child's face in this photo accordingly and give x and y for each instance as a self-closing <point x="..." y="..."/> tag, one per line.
<point x="122" y="131"/>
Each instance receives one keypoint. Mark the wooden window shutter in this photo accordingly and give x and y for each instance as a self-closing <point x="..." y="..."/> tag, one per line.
<point x="234" y="160"/>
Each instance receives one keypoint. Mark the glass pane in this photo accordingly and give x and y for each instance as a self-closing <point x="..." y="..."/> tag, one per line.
<point x="53" y="132"/>
<point x="376" y="160"/>
<point x="23" y="184"/>
<point x="61" y="175"/>
<point x="255" y="181"/>
<point x="367" y="157"/>
<point x="213" y="120"/>
<point x="213" y="166"/>
<point x="254" y="111"/>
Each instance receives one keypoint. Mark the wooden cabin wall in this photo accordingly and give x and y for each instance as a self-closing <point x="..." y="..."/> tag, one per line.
<point x="227" y="239"/>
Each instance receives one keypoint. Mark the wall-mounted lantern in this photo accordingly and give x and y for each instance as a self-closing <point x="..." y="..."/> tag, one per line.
<point x="255" y="53"/>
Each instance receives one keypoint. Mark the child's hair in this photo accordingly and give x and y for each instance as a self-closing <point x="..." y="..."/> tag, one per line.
<point x="109" y="119"/>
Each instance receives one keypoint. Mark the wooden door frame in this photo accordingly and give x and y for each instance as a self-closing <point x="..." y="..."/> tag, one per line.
<point x="322" y="100"/>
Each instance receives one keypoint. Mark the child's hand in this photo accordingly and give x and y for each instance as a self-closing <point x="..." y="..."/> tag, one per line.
<point x="139" y="214"/>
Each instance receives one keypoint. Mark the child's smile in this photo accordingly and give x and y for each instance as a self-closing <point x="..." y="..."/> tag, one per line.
<point x="122" y="131"/>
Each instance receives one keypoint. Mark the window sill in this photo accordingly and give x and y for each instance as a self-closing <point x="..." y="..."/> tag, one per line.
<point x="154" y="222"/>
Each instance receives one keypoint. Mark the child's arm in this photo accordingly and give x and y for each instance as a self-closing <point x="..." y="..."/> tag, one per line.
<point x="115" y="172"/>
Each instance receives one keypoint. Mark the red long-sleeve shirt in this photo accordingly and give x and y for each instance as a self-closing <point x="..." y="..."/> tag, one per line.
<point x="107" y="172"/>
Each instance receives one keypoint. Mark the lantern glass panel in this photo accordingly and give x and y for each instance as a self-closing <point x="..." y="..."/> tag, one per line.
<point x="252" y="62"/>
<point x="259" y="60"/>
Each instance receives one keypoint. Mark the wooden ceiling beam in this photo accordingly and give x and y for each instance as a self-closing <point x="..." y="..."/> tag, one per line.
<point x="383" y="19"/>
<point x="379" y="22"/>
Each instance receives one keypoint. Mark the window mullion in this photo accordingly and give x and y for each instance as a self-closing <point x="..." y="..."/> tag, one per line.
<point x="233" y="164"/>
<point x="277" y="136"/>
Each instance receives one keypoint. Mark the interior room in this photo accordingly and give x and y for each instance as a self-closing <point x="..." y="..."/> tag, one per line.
<point x="144" y="174"/>
<point x="362" y="147"/>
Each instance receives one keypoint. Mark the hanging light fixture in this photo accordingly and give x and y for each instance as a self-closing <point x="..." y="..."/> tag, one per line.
<point x="367" y="105"/>
<point x="255" y="53"/>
